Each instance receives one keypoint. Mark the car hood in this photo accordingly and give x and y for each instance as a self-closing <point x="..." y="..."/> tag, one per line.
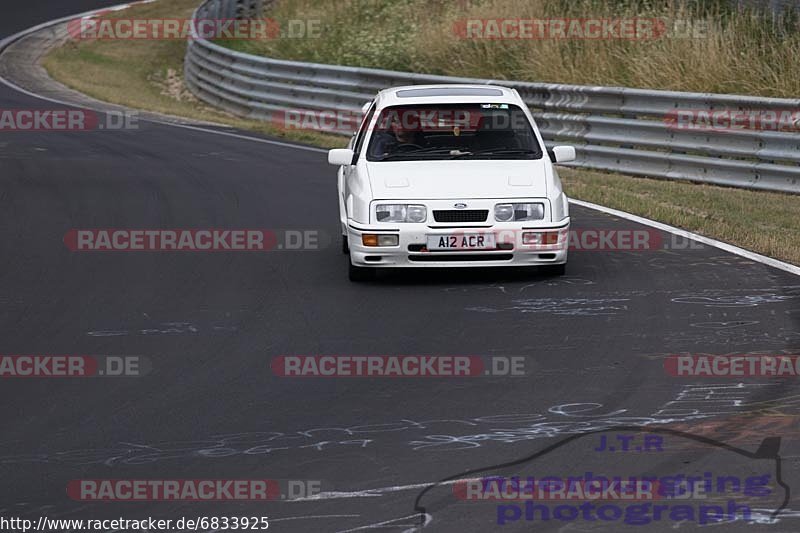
<point x="458" y="179"/>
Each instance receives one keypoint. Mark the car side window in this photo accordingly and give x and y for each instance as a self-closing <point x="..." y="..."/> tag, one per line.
<point x="362" y="134"/>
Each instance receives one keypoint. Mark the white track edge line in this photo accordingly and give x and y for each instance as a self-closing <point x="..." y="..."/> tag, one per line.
<point x="17" y="36"/>
<point x="753" y="256"/>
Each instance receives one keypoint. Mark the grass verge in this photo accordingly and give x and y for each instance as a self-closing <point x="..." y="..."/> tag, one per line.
<point x="695" y="45"/>
<point x="147" y="75"/>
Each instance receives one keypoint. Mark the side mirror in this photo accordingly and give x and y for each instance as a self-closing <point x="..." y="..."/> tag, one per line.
<point x="563" y="154"/>
<point x="340" y="156"/>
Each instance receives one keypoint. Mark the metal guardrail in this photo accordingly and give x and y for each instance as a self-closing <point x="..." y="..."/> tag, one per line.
<point x="612" y="128"/>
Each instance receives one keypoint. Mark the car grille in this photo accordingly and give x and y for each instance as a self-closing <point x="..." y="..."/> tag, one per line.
<point x="461" y="215"/>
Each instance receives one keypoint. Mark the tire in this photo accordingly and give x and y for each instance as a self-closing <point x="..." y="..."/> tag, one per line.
<point x="357" y="274"/>
<point x="345" y="247"/>
<point x="554" y="270"/>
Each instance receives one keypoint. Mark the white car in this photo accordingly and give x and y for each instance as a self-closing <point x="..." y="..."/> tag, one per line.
<point x="451" y="176"/>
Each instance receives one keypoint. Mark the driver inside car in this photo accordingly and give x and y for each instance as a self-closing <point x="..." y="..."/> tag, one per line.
<point x="396" y="138"/>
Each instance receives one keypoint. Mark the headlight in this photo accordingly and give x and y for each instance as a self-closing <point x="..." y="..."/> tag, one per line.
<point x="503" y="212"/>
<point x="518" y="212"/>
<point x="416" y="213"/>
<point x="400" y="213"/>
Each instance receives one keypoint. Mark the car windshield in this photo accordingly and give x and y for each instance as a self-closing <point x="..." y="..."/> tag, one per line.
<point x="452" y="131"/>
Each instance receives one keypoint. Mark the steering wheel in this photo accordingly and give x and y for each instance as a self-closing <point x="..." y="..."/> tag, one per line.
<point x="404" y="147"/>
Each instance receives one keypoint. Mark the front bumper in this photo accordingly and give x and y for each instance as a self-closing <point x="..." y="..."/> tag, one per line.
<point x="412" y="248"/>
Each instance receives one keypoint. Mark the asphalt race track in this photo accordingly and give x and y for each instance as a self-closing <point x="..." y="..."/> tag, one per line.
<point x="383" y="450"/>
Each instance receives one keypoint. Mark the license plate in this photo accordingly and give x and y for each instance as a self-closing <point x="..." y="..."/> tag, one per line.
<point x="462" y="241"/>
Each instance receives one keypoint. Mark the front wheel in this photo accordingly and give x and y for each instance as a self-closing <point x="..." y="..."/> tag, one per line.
<point x="358" y="274"/>
<point x="345" y="247"/>
<point x="554" y="270"/>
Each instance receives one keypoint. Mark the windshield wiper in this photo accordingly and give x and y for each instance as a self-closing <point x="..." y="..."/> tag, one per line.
<point x="428" y="151"/>
<point x="499" y="151"/>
